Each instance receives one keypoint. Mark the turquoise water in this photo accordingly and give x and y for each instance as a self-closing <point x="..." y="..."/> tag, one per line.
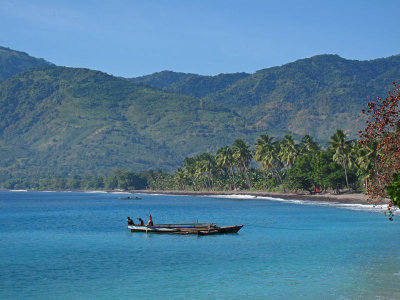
<point x="76" y="246"/>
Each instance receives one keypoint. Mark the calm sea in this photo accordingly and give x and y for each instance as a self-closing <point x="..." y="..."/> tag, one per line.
<point x="76" y="246"/>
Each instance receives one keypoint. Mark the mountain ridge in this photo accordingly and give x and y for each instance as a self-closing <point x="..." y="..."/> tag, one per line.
<point x="12" y="62"/>
<point x="65" y="121"/>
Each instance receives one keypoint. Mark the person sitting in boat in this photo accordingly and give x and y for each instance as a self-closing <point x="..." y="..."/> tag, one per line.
<point x="150" y="222"/>
<point x="130" y="221"/>
<point x="141" y="223"/>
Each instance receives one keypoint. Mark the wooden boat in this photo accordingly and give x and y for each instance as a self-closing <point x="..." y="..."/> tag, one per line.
<point x="186" y="228"/>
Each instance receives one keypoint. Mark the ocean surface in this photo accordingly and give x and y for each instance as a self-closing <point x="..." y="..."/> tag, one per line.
<point x="60" y="245"/>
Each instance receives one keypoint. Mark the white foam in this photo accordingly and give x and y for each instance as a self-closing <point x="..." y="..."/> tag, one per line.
<point x="155" y="194"/>
<point x="233" y="196"/>
<point x="352" y="206"/>
<point x="18" y="190"/>
<point x="118" y="193"/>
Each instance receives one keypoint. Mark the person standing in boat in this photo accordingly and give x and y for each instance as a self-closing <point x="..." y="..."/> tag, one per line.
<point x="130" y="221"/>
<point x="150" y="222"/>
<point x="141" y="223"/>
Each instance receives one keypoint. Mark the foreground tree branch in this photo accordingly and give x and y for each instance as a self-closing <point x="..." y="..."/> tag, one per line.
<point x="383" y="129"/>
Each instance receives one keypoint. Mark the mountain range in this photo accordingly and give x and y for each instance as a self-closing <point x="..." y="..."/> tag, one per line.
<point x="65" y="121"/>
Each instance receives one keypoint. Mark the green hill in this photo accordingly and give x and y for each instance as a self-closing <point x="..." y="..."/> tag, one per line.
<point x="58" y="120"/>
<point x="313" y="96"/>
<point x="13" y="62"/>
<point x="67" y="121"/>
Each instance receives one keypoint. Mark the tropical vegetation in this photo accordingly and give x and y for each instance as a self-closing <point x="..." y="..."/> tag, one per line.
<point x="58" y="121"/>
<point x="118" y="180"/>
<point x="67" y="128"/>
<point x="275" y="165"/>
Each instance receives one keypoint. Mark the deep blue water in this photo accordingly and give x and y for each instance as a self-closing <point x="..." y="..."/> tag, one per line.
<point x="76" y="246"/>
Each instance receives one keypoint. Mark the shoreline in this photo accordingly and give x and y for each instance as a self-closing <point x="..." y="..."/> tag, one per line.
<point x="345" y="198"/>
<point x="351" y="198"/>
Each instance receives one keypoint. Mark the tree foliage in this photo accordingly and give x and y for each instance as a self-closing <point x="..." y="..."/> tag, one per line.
<point x="118" y="180"/>
<point x="283" y="165"/>
<point x="383" y="132"/>
<point x="393" y="189"/>
<point x="342" y="148"/>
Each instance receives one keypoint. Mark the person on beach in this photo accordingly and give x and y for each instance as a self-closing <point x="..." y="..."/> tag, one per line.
<point x="130" y="221"/>
<point x="150" y="222"/>
<point x="141" y="223"/>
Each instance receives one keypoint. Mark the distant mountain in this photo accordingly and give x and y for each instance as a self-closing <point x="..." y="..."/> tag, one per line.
<point x="314" y="96"/>
<point x="59" y="120"/>
<point x="13" y="62"/>
<point x="311" y="96"/>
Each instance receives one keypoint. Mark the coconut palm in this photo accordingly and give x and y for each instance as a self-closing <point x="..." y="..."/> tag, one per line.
<point x="308" y="145"/>
<point x="342" y="149"/>
<point x="189" y="167"/>
<point x="288" y="151"/>
<point x="242" y="155"/>
<point x="180" y="178"/>
<point x="224" y="162"/>
<point x="265" y="153"/>
<point x="366" y="157"/>
<point x="206" y="165"/>
<point x="277" y="164"/>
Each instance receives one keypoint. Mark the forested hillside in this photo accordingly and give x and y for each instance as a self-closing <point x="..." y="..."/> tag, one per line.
<point x="313" y="96"/>
<point x="190" y="84"/>
<point x="68" y="121"/>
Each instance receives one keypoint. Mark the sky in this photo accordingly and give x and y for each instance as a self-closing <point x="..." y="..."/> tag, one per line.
<point x="131" y="38"/>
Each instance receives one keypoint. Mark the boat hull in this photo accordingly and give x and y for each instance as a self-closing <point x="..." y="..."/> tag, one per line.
<point x="230" y="229"/>
<point x="190" y="228"/>
<point x="135" y="228"/>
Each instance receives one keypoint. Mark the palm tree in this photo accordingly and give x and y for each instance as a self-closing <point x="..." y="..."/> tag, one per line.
<point x="277" y="164"/>
<point x="308" y="145"/>
<point x="180" y="178"/>
<point x="242" y="154"/>
<point x="189" y="167"/>
<point x="224" y="162"/>
<point x="206" y="164"/>
<point x="288" y="151"/>
<point x="366" y="157"/>
<point x="342" y="148"/>
<point x="264" y="151"/>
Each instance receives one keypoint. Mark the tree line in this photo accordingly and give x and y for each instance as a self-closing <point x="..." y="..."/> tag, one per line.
<point x="271" y="165"/>
<point x="277" y="165"/>
<point x="118" y="180"/>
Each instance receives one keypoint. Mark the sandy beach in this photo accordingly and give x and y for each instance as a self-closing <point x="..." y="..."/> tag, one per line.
<point x="349" y="198"/>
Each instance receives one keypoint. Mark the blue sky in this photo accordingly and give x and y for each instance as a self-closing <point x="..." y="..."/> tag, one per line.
<point x="137" y="37"/>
